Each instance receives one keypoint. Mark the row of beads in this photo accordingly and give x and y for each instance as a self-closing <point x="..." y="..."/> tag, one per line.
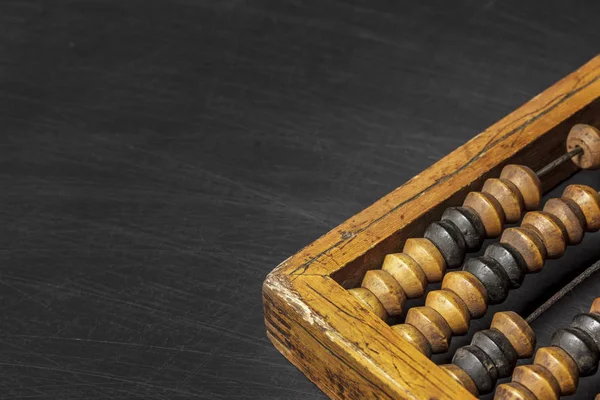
<point x="555" y="372"/>
<point x="423" y="260"/>
<point x="492" y="354"/>
<point x="461" y="229"/>
<point x="486" y="280"/>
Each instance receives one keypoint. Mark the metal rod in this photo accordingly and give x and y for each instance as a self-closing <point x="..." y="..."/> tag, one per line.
<point x="560" y="160"/>
<point x="562" y="292"/>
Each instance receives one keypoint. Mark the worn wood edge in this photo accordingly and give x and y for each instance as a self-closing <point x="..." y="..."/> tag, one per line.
<point x="343" y="348"/>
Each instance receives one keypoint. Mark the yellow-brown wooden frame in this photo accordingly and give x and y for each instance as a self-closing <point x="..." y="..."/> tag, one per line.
<point x="345" y="349"/>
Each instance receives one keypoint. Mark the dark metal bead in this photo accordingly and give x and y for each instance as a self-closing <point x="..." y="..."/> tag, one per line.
<point x="590" y="324"/>
<point x="580" y="346"/>
<point x="498" y="348"/>
<point x="478" y="366"/>
<point x="492" y="276"/>
<point x="449" y="241"/>
<point x="510" y="259"/>
<point x="468" y="223"/>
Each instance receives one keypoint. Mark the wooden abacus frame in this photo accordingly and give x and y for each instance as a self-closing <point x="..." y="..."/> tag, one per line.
<point x="341" y="346"/>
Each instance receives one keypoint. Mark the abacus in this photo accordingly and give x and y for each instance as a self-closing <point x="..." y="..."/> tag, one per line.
<point x="327" y="308"/>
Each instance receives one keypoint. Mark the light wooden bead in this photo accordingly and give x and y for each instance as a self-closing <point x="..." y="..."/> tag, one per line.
<point x="407" y="273"/>
<point x="429" y="258"/>
<point x="563" y="209"/>
<point x="508" y="195"/>
<point x="588" y="201"/>
<point x="538" y="380"/>
<point x="432" y="325"/>
<point x="414" y="337"/>
<point x="588" y="138"/>
<point x="452" y="308"/>
<point x="517" y="331"/>
<point x="529" y="245"/>
<point x="460" y="376"/>
<point x="470" y="290"/>
<point x="597" y="397"/>
<point x="489" y="211"/>
<point x="595" y="308"/>
<point x="386" y="289"/>
<point x="550" y="230"/>
<point x="367" y="298"/>
<point x="527" y="182"/>
<point x="513" y="391"/>
<point x="561" y="366"/>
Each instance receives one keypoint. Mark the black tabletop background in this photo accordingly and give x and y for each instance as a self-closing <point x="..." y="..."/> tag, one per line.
<point x="159" y="158"/>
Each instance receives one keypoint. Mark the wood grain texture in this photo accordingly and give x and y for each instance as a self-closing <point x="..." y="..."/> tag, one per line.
<point x="569" y="214"/>
<point x="386" y="289"/>
<point x="588" y="200"/>
<point x="303" y="283"/>
<point x="469" y="289"/>
<point x="528" y="183"/>
<point x="509" y="197"/>
<point x="489" y="211"/>
<point x="160" y="157"/>
<point x="529" y="244"/>
<point x="459" y="375"/>
<point x="562" y="367"/>
<point x="550" y="229"/>
<point x="588" y="138"/>
<point x="538" y="380"/>
<point x="517" y="331"/>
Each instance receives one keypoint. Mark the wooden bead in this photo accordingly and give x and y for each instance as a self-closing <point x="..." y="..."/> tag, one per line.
<point x="510" y="260"/>
<point x="414" y="337"/>
<point x="469" y="225"/>
<point x="489" y="211"/>
<point x="407" y="273"/>
<point x="580" y="346"/>
<point x="513" y="391"/>
<point x="478" y="365"/>
<point x="571" y="217"/>
<point x="595" y="308"/>
<point x="367" y="298"/>
<point x="588" y="138"/>
<point x="432" y="325"/>
<point x="449" y="240"/>
<point x="590" y="324"/>
<point x="499" y="350"/>
<point x="550" y="230"/>
<point x="529" y="245"/>
<point x="427" y="256"/>
<point x="538" y="380"/>
<point x="460" y="376"/>
<point x="508" y="196"/>
<point x="386" y="289"/>
<point x="561" y="366"/>
<point x="517" y="331"/>
<point x="470" y="290"/>
<point x="527" y="182"/>
<point x="588" y="201"/>
<point x="452" y="308"/>
<point x="492" y="276"/>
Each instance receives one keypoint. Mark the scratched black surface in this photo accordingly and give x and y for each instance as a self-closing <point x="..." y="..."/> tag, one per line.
<point x="160" y="158"/>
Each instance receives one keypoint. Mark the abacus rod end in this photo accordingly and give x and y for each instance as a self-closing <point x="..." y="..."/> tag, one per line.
<point x="559" y="161"/>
